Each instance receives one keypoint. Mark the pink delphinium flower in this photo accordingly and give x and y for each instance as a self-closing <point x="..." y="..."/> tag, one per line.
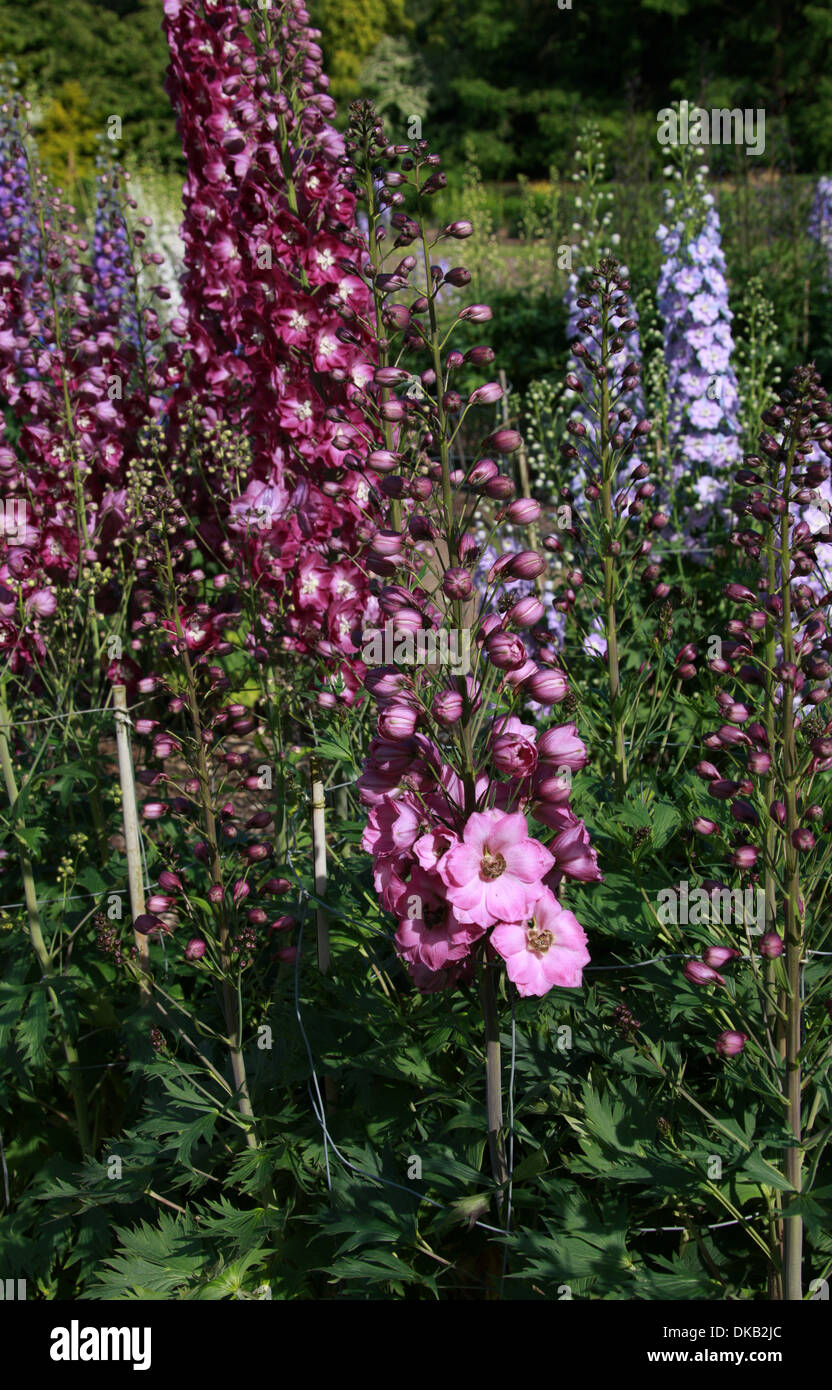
<point x="549" y="949"/>
<point x="495" y="873"/>
<point x="429" y="929"/>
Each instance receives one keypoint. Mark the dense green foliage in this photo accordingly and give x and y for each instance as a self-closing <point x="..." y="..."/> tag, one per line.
<point x="518" y="79"/>
<point x="116" y="51"/>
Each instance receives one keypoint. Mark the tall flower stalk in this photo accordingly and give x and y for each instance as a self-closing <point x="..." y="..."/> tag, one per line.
<point x="775" y="657"/>
<point x="593" y="221"/>
<point x="607" y="442"/>
<point x="454" y="775"/>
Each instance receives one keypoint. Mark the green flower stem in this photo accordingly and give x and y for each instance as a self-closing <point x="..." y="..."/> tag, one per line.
<point x="233" y="1018"/>
<point x="793" y="1226"/>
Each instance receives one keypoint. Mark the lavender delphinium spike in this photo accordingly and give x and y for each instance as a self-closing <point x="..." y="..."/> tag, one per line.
<point x="18" y="229"/>
<point x="112" y="290"/>
<point x="595" y="220"/>
<point x="820" y="219"/>
<point x="703" y="424"/>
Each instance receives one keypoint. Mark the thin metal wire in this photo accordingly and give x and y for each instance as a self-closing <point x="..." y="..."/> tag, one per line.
<point x="73" y="897"/>
<point x="338" y="785"/>
<point x="50" y="718"/>
<point x="717" y="1226"/>
<point x="679" y="955"/>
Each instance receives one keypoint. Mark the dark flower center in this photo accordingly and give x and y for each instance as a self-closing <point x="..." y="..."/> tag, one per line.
<point x="537" y="940"/>
<point x="433" y="915"/>
<point x="492" y="864"/>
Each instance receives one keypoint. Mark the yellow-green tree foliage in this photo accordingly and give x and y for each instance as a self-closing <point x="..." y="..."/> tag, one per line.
<point x="351" y="29"/>
<point x="67" y="129"/>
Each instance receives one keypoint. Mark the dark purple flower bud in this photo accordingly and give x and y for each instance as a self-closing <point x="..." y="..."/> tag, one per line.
<point x="147" y="923"/>
<point x="803" y="839"/>
<point x="480" y="356"/>
<point x="526" y="612"/>
<point x="731" y="1043"/>
<point x="716" y="956"/>
<point x="745" y="857"/>
<point x="390" y="376"/>
<point x="447" y="707"/>
<point x="547" y="687"/>
<point x="500" y="488"/>
<point x="723" y="789"/>
<point x="504" y="441"/>
<point x="383" y="461"/>
<point x="739" y="593"/>
<point x="505" y="650"/>
<point x="195" y="949"/>
<point x="523" y="511"/>
<point x="525" y="564"/>
<point x="482" y="472"/>
<point x="771" y="945"/>
<point x="701" y="974"/>
<point x="457" y="583"/>
<point x="475" y="313"/>
<point x="486" y="395"/>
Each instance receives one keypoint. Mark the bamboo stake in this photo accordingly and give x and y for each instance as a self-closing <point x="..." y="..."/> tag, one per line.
<point x="321" y="914"/>
<point x="130" y="815"/>
<point x="525" y="483"/>
<point x="320" y="868"/>
<point x="493" y="1081"/>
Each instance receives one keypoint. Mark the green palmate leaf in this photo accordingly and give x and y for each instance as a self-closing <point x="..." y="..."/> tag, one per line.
<point x="163" y="1260"/>
<point x="757" y="1169"/>
<point x="665" y="821"/>
<point x="380" y="1267"/>
<point x="33" y="1029"/>
<point x="70" y="780"/>
<point x="335" y="751"/>
<point x="234" y="1278"/>
<point x="199" y="1129"/>
<point x="676" y="1279"/>
<point x="531" y="1165"/>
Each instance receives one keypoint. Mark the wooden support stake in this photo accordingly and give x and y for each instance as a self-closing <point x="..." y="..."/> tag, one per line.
<point x="319" y="862"/>
<point x="525" y="483"/>
<point x="130" y="813"/>
<point x="321" y="914"/>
